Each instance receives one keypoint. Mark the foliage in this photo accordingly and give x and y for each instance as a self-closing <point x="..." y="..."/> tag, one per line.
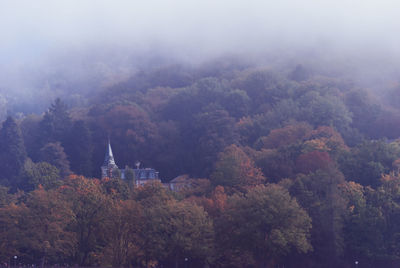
<point x="78" y="146"/>
<point x="367" y="162"/>
<point x="12" y="151"/>
<point x="123" y="227"/>
<point x="320" y="194"/>
<point x="234" y="169"/>
<point x="265" y="224"/>
<point x="54" y="154"/>
<point x="90" y="206"/>
<point x="227" y="125"/>
<point x="55" y="124"/>
<point x="35" y="175"/>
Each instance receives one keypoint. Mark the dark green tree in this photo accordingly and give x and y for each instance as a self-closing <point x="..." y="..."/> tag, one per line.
<point x="78" y="147"/>
<point x="212" y="131"/>
<point x="367" y="162"/>
<point x="259" y="228"/>
<point x="320" y="195"/>
<point x="55" y="124"/>
<point x="365" y="225"/>
<point x="53" y="153"/>
<point x="321" y="110"/>
<point x="12" y="151"/>
<point x="42" y="174"/>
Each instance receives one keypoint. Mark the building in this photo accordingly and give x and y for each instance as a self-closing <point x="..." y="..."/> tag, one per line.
<point x="179" y="183"/>
<point x="109" y="169"/>
<point x="140" y="175"/>
<point x="144" y="175"/>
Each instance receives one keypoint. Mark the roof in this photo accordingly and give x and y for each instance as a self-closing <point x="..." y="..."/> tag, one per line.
<point x="109" y="157"/>
<point x="180" y="179"/>
<point x="145" y="173"/>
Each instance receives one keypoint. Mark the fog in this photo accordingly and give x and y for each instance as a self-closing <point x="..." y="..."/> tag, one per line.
<point x="203" y="27"/>
<point x="67" y="38"/>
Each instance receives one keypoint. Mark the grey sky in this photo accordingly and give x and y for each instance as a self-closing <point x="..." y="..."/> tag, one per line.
<point x="203" y="26"/>
<point x="50" y="48"/>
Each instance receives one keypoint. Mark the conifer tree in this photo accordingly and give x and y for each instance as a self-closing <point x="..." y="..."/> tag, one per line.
<point x="55" y="124"/>
<point x="12" y="151"/>
<point x="79" y="149"/>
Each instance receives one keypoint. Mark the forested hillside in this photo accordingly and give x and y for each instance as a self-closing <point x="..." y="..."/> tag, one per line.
<point x="287" y="166"/>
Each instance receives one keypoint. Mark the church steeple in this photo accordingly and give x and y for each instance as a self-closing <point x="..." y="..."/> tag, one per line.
<point x="109" y="158"/>
<point x="109" y="163"/>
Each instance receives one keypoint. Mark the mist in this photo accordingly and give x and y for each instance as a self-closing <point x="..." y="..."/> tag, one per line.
<point x="252" y="133"/>
<point x="78" y="43"/>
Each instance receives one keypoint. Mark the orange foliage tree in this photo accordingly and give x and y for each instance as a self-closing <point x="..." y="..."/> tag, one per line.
<point x="234" y="169"/>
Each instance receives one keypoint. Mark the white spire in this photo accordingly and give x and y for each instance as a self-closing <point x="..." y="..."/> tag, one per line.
<point x="109" y="158"/>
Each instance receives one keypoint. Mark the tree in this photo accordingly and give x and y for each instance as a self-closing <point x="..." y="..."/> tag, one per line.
<point x="132" y="132"/>
<point x="325" y="138"/>
<point x="90" y="207"/>
<point x="55" y="124"/>
<point x="365" y="111"/>
<point x="324" y="111"/>
<point x="300" y="73"/>
<point x="285" y="136"/>
<point x="152" y="193"/>
<point x="5" y="197"/>
<point x="175" y="230"/>
<point x="53" y="153"/>
<point x="367" y="162"/>
<point x="30" y="132"/>
<point x="214" y="129"/>
<point x="213" y="205"/>
<point x="237" y="103"/>
<point x="264" y="225"/>
<point x="12" y="151"/>
<point x="264" y="87"/>
<point x="371" y="228"/>
<point x="365" y="225"/>
<point x="320" y="195"/>
<point x="45" y="227"/>
<point x="279" y="163"/>
<point x="122" y="232"/>
<point x="194" y="235"/>
<point x="130" y="177"/>
<point x="234" y="169"/>
<point x="172" y="230"/>
<point x="78" y="147"/>
<point x="116" y="188"/>
<point x="312" y="161"/>
<point x="35" y="175"/>
<point x="10" y="233"/>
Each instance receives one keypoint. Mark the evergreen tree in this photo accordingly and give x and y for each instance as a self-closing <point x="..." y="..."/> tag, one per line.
<point x="12" y="151"/>
<point x="79" y="149"/>
<point x="55" y="124"/>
